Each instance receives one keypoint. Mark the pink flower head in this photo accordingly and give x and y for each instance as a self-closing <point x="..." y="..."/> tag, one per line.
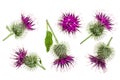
<point x="100" y="63"/>
<point x="19" y="57"/>
<point x="27" y="21"/>
<point x="64" y="61"/>
<point x="69" y="23"/>
<point x="104" y="20"/>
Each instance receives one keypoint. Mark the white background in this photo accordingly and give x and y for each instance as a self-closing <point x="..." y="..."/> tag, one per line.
<point x="33" y="41"/>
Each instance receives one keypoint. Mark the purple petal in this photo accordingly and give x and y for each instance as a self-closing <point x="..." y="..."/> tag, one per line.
<point x="100" y="63"/>
<point x="69" y="23"/>
<point x="104" y="20"/>
<point x="64" y="62"/>
<point x="27" y="21"/>
<point x="19" y="57"/>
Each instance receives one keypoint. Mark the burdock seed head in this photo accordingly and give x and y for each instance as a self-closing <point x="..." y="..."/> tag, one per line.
<point x="17" y="29"/>
<point x="104" y="51"/>
<point x="31" y="61"/>
<point x="60" y="50"/>
<point x="96" y="30"/>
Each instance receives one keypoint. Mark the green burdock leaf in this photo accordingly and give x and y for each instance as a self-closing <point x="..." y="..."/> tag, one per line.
<point x="48" y="40"/>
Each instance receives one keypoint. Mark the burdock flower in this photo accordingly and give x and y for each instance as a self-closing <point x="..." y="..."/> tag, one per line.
<point x="69" y="23"/>
<point x="31" y="61"/>
<point x="27" y="22"/>
<point x="59" y="49"/>
<point x="104" y="20"/>
<point x="15" y="29"/>
<point x="18" y="28"/>
<point x="97" y="29"/>
<point x="64" y="61"/>
<point x="20" y="57"/>
<point x="103" y="52"/>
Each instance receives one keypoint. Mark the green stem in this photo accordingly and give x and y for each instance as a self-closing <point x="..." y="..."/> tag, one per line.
<point x="8" y="36"/>
<point x="41" y="66"/>
<point x="47" y="26"/>
<point x="109" y="41"/>
<point x="52" y="31"/>
<point x="86" y="39"/>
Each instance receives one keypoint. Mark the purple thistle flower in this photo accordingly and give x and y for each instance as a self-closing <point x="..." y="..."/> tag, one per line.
<point x="19" y="57"/>
<point x="100" y="63"/>
<point x="69" y="23"/>
<point x="104" y="20"/>
<point x="27" y="21"/>
<point x="64" y="62"/>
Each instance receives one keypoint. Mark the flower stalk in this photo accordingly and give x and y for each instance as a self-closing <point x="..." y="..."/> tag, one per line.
<point x="52" y="31"/>
<point x="8" y="36"/>
<point x="41" y="66"/>
<point x="86" y="39"/>
<point x="109" y="41"/>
